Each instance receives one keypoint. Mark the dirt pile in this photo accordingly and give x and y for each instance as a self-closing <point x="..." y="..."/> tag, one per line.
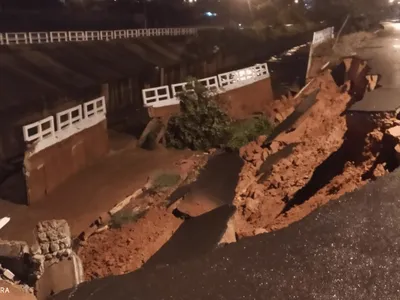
<point x="123" y="250"/>
<point x="279" y="110"/>
<point x="327" y="155"/>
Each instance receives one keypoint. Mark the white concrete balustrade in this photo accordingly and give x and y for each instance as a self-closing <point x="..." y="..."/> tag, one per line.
<point x="47" y="132"/>
<point x="165" y="95"/>
<point x="17" y="38"/>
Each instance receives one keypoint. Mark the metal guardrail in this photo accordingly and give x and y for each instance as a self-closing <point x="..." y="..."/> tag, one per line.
<point x="20" y="38"/>
<point x="165" y="95"/>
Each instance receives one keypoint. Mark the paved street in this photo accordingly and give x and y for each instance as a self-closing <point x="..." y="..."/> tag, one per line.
<point x="383" y="56"/>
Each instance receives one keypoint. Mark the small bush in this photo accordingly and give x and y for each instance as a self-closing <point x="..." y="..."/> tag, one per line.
<point x="201" y="125"/>
<point x="243" y="132"/>
<point x="125" y="217"/>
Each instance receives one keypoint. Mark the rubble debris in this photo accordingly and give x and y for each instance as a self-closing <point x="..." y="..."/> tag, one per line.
<point x="14" y="256"/>
<point x="333" y="154"/>
<point x="7" y="274"/>
<point x="394" y="131"/>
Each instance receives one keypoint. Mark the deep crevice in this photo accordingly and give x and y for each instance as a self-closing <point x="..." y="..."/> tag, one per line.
<point x="352" y="150"/>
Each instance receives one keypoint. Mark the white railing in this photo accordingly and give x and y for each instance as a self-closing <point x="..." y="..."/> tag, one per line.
<point x="58" y="36"/>
<point x="210" y="82"/>
<point x="44" y="133"/>
<point x="76" y="36"/>
<point x="159" y="96"/>
<point x="164" y="96"/>
<point x="16" y="38"/>
<point x="95" y="108"/>
<point x="92" y="35"/>
<point x="67" y="118"/>
<point x="39" y="130"/>
<point x="38" y="37"/>
<point x="181" y="87"/>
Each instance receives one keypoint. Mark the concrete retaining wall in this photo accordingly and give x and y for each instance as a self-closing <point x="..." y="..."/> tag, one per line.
<point x="239" y="103"/>
<point x="47" y="169"/>
<point x="247" y="100"/>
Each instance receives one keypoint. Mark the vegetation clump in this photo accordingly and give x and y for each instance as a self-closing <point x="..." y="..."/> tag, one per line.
<point x="203" y="124"/>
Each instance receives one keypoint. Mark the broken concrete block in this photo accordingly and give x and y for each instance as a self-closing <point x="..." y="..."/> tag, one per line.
<point x="45" y="247"/>
<point x="372" y="82"/>
<point x="54" y="247"/>
<point x="42" y="237"/>
<point x="394" y="131"/>
<point x="52" y="235"/>
<point x="35" y="249"/>
<point x="230" y="233"/>
<point x="39" y="259"/>
<point x="53" y="229"/>
<point x="8" y="275"/>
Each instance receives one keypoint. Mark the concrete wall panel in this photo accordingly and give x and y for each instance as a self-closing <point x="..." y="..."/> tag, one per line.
<point x="49" y="168"/>
<point x="239" y="103"/>
<point x="244" y="101"/>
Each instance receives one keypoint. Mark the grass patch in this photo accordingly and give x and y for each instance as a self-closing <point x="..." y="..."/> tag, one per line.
<point x="243" y="132"/>
<point x="165" y="180"/>
<point x="126" y="217"/>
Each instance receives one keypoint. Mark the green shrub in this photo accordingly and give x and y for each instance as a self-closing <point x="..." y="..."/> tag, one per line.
<point x="243" y="132"/>
<point x="201" y="124"/>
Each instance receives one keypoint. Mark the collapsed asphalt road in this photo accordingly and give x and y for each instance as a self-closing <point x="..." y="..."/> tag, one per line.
<point x="348" y="249"/>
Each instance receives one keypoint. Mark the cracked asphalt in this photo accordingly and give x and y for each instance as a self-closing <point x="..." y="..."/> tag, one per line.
<point x="383" y="56"/>
<point x="348" y="250"/>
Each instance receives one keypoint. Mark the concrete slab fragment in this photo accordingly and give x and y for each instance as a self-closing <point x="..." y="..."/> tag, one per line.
<point x="195" y="237"/>
<point x="394" y="131"/>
